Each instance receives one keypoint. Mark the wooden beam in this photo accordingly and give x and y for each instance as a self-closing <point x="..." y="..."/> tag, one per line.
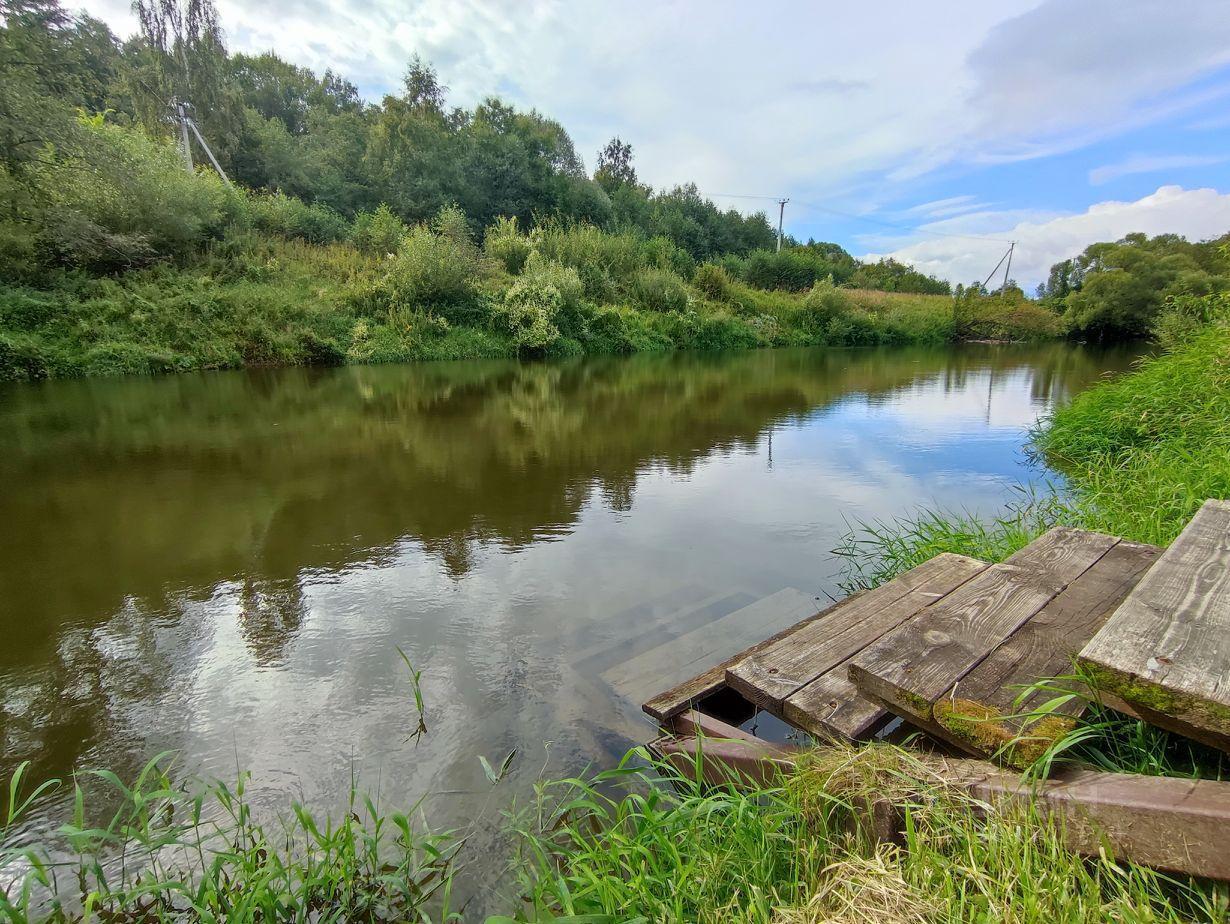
<point x="1166" y="650"/>
<point x="913" y="666"/>
<point x="769" y="676"/>
<point x="1169" y="823"/>
<point x="988" y="707"/>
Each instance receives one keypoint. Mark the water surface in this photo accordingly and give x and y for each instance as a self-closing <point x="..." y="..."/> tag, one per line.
<point x="225" y="564"/>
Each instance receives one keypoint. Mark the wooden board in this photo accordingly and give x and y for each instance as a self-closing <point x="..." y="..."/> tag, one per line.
<point x="1166" y="650"/>
<point x="695" y="651"/>
<point x="911" y="667"/>
<point x="682" y="696"/>
<point x="988" y="707"/>
<point x="831" y="707"/>
<point x="769" y="676"/>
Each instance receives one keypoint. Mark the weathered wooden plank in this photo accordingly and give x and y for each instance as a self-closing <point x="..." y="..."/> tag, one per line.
<point x="718" y="640"/>
<point x="981" y="711"/>
<point x="912" y="666"/>
<point x="831" y="707"/>
<point x="684" y="695"/>
<point x="1167" y="648"/>
<point x="774" y="673"/>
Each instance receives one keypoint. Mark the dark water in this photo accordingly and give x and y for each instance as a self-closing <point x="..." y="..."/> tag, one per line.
<point x="225" y="564"/>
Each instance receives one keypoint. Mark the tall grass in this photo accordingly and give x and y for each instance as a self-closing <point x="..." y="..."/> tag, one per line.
<point x="620" y="847"/>
<point x="166" y="850"/>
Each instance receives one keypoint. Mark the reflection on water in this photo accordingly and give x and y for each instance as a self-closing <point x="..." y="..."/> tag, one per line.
<point x="223" y="564"/>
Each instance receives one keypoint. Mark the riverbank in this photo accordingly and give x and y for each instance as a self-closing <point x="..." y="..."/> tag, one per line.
<point x="263" y="301"/>
<point x="624" y="844"/>
<point x="1140" y="454"/>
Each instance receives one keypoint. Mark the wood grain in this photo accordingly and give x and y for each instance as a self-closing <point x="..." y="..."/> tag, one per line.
<point x="911" y="667"/>
<point x="1167" y="648"/>
<point x="682" y="696"/>
<point x="769" y="676"/>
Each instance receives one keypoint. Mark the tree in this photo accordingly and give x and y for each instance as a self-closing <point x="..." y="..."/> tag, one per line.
<point x="615" y="165"/>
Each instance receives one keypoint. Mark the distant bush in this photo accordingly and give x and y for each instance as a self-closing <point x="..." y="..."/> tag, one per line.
<point x="115" y="198"/>
<point x="379" y="232"/>
<point x="435" y="271"/>
<point x="889" y="275"/>
<point x="659" y="290"/>
<point x="606" y="263"/>
<point x="506" y="245"/>
<point x="534" y="302"/>
<point x="665" y="254"/>
<point x="794" y="268"/>
<point x="821" y="305"/>
<point x="287" y="216"/>
<point x="1184" y="316"/>
<point x="712" y="281"/>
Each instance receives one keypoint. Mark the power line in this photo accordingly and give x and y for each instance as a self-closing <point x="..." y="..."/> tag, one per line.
<point x="874" y="221"/>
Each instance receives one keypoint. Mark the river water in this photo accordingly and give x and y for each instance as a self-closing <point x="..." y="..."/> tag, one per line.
<point x="225" y="565"/>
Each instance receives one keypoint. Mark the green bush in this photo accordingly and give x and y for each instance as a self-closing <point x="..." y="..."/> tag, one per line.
<point x="712" y="281"/>
<point x="529" y="311"/>
<point x="665" y="254"/>
<point x="379" y="232"/>
<point x="823" y="304"/>
<point x="606" y="263"/>
<point x="287" y="216"/>
<point x="434" y="271"/>
<point x="659" y="290"/>
<point x="508" y="247"/>
<point x="116" y="198"/>
<point x="1185" y="316"/>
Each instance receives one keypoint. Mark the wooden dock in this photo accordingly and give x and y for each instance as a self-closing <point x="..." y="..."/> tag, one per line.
<point x="967" y="651"/>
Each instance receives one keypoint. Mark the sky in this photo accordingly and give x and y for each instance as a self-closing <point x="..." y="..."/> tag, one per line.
<point x="932" y="132"/>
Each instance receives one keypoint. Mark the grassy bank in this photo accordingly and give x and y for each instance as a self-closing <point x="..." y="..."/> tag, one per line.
<point x="268" y="301"/>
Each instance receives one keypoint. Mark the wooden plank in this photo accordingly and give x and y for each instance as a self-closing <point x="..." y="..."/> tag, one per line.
<point x="1169" y="823"/>
<point x="1167" y="648"/>
<point x="691" y="691"/>
<point x="771" y="675"/>
<point x="912" y="666"/>
<point x="981" y="711"/>
<point x="716" y="641"/>
<point x="831" y="707"/>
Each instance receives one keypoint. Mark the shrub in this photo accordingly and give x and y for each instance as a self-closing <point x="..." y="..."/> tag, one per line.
<point x="712" y="281"/>
<point x="659" y="290"/>
<point x="822" y="304"/>
<point x="504" y="244"/>
<point x="435" y="271"/>
<point x="115" y="198"/>
<point x="529" y="311"/>
<point x="1184" y="316"/>
<point x="379" y="232"/>
<point x="287" y="216"/>
<point x="665" y="254"/>
<point x="795" y="269"/>
<point x="606" y="263"/>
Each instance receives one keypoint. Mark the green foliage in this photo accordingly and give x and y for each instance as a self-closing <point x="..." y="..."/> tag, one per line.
<point x="506" y="245"/>
<point x="435" y="270"/>
<point x="290" y="217"/>
<point x="889" y="275"/>
<point x="1185" y="316"/>
<point x="379" y="232"/>
<point x="606" y="263"/>
<point x="1145" y="451"/>
<point x="659" y="290"/>
<point x="618" y="846"/>
<point x="1118" y="289"/>
<point x="712" y="281"/>
<point x="195" y="852"/>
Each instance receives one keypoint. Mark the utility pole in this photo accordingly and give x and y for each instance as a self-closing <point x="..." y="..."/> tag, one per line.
<point x="1003" y="290"/>
<point x="781" y="214"/>
<point x="182" y="117"/>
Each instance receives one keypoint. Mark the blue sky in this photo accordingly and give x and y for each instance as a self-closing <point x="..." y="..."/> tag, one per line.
<point x="1051" y="122"/>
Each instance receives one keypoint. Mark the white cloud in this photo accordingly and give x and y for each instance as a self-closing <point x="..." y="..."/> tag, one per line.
<point x="833" y="103"/>
<point x="1152" y="163"/>
<point x="1198" y="214"/>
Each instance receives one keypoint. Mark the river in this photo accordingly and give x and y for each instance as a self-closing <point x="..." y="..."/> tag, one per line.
<point x="225" y="564"/>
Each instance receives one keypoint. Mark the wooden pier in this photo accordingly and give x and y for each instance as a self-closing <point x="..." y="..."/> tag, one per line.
<point x="967" y="651"/>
